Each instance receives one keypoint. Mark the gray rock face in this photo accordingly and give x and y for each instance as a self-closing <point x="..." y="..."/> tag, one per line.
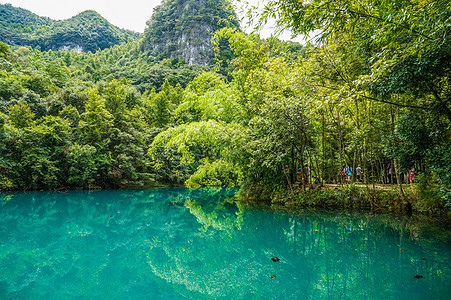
<point x="183" y="29"/>
<point x="196" y="45"/>
<point x="69" y="47"/>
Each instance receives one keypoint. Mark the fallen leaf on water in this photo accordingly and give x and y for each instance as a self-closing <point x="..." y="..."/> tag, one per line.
<point x="423" y="258"/>
<point x="418" y="276"/>
<point x="275" y="259"/>
<point x="273" y="276"/>
<point x="403" y="250"/>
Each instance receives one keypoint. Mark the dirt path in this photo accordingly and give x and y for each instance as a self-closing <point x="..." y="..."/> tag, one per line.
<point x="359" y="185"/>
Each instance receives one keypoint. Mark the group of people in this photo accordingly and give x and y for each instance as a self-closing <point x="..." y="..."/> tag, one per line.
<point x="346" y="172"/>
<point x="410" y="176"/>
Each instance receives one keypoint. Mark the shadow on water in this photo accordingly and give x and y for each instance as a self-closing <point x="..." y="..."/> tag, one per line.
<point x="179" y="243"/>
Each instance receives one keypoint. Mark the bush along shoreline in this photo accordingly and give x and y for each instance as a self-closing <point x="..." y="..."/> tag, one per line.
<point x="415" y="200"/>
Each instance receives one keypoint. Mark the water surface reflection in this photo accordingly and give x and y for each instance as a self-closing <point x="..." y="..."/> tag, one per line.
<point x="175" y="243"/>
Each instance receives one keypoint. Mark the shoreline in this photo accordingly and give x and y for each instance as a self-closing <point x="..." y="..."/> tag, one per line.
<point x="381" y="198"/>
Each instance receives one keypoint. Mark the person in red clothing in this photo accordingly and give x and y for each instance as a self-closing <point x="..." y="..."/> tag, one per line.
<point x="412" y="174"/>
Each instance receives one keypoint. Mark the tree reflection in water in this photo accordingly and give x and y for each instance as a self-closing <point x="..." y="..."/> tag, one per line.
<point x="171" y="243"/>
<point x="323" y="254"/>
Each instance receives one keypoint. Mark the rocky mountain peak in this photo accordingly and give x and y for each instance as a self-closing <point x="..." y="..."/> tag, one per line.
<point x="183" y="29"/>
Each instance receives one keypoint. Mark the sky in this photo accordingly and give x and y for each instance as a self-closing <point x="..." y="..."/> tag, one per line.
<point x="126" y="14"/>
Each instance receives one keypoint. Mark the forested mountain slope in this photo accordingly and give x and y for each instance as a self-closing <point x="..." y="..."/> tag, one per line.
<point x="87" y="31"/>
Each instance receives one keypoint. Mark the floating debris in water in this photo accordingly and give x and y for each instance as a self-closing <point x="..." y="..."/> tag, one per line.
<point x="273" y="276"/>
<point x="423" y="258"/>
<point x="402" y="250"/>
<point x="275" y="259"/>
<point x="418" y="276"/>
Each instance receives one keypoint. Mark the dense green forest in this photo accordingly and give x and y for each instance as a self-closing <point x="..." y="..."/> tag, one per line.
<point x="87" y="31"/>
<point x="374" y="92"/>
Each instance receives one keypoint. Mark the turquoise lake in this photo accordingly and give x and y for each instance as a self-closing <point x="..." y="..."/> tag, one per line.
<point x="175" y="243"/>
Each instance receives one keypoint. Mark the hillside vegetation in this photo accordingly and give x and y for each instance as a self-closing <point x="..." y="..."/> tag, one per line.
<point x="87" y="31"/>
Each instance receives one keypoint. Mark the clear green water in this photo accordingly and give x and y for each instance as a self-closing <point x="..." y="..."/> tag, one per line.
<point x="176" y="243"/>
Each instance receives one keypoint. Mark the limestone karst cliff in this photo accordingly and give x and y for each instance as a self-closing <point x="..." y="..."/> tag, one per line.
<point x="183" y="29"/>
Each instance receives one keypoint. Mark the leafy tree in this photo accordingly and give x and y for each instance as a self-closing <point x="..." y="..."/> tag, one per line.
<point x="401" y="41"/>
<point x="96" y="121"/>
<point x="4" y="50"/>
<point x="21" y="115"/>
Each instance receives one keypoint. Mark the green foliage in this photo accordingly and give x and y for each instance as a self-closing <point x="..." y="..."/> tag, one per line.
<point x="403" y="43"/>
<point x="82" y="164"/>
<point x="199" y="142"/>
<point x="123" y="117"/>
<point x="4" y="50"/>
<point x="426" y="193"/>
<point x="87" y="30"/>
<point x="218" y="173"/>
<point x="73" y="134"/>
<point x="411" y="141"/>
<point x="20" y="115"/>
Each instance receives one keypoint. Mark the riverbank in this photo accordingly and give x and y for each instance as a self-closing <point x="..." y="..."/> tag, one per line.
<point x="382" y="198"/>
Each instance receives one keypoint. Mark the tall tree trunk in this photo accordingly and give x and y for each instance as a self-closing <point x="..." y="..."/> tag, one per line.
<point x="333" y="174"/>
<point x="381" y="172"/>
<point x="286" y="171"/>
<point x="357" y="121"/>
<point x="365" y="169"/>
<point x="339" y="146"/>
<point x="324" y="149"/>
<point x="371" y="149"/>
<point x="302" y="168"/>
<point x="293" y="166"/>
<point x="357" y="114"/>
<point x="395" y="161"/>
